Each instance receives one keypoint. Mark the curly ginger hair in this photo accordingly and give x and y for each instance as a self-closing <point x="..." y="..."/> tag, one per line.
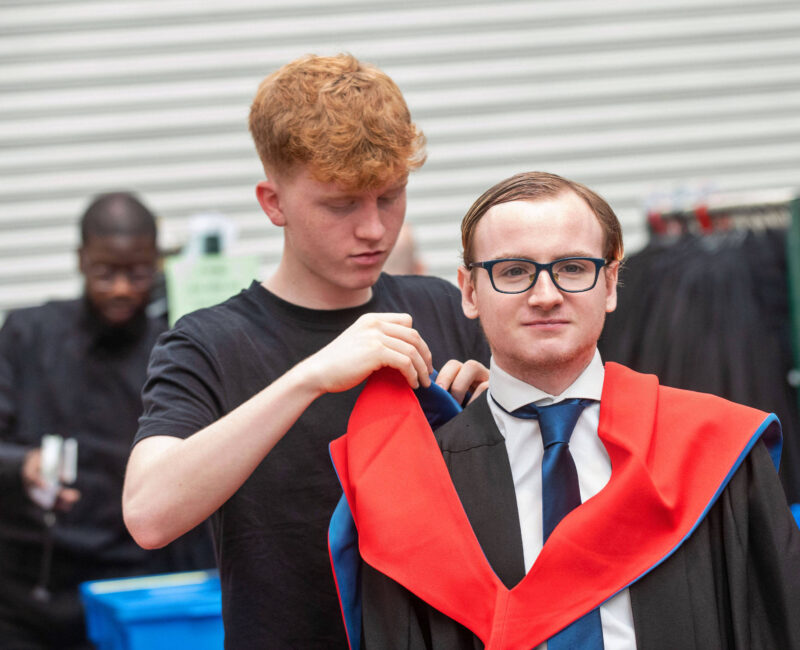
<point x="345" y="119"/>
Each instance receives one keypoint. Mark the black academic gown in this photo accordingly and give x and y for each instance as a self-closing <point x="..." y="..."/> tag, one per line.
<point x="734" y="583"/>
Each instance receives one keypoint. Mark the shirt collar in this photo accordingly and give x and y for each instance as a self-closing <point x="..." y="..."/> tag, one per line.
<point x="512" y="393"/>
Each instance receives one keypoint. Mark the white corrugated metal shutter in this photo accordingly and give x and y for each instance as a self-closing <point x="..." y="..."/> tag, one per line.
<point x="152" y="96"/>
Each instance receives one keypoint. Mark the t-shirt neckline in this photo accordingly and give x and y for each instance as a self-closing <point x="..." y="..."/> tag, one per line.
<point x="323" y="319"/>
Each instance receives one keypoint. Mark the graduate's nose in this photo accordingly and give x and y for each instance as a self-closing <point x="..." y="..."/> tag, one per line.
<point x="544" y="294"/>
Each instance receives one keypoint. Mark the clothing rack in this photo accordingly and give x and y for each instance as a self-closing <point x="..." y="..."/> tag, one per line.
<point x="678" y="318"/>
<point x="752" y="211"/>
<point x="756" y="210"/>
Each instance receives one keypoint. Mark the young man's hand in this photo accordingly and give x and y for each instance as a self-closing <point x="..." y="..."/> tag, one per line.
<point x="374" y="341"/>
<point x="463" y="379"/>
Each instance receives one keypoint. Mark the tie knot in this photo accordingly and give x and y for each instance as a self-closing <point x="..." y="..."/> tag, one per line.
<point x="558" y="420"/>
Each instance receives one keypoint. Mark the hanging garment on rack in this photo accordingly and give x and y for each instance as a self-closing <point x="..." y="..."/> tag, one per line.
<point x="710" y="312"/>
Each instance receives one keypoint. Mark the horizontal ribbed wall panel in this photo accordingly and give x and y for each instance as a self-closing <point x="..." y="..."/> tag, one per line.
<point x="628" y="97"/>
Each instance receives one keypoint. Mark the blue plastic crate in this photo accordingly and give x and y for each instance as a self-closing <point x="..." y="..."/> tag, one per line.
<point x="169" y="611"/>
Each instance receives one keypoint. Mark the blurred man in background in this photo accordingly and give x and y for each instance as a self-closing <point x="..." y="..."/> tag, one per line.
<point x="75" y="368"/>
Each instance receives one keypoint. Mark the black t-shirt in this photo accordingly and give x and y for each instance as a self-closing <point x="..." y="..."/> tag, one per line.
<point x="277" y="587"/>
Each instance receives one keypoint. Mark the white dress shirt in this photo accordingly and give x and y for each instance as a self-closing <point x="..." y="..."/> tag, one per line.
<point x="525" y="451"/>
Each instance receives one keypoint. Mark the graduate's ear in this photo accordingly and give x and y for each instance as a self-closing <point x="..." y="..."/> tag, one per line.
<point x="611" y="278"/>
<point x="468" y="299"/>
<point x="269" y="198"/>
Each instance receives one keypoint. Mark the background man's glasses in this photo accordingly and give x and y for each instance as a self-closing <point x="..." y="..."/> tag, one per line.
<point x="104" y="276"/>
<point x="517" y="275"/>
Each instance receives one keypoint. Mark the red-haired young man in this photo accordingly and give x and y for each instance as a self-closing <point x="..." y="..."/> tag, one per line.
<point x="243" y="398"/>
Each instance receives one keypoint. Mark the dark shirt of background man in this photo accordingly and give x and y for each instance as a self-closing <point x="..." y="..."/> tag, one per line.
<point x="75" y="368"/>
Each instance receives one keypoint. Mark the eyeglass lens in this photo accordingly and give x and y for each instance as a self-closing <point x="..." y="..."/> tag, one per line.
<point x="569" y="274"/>
<point x="138" y="276"/>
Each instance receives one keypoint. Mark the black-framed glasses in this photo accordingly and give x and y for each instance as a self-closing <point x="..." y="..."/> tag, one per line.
<point x="517" y="274"/>
<point x="140" y="276"/>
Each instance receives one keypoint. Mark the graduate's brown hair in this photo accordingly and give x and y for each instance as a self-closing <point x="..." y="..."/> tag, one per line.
<point x="533" y="186"/>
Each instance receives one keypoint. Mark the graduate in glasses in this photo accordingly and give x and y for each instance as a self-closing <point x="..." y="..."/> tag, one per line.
<point x="579" y="505"/>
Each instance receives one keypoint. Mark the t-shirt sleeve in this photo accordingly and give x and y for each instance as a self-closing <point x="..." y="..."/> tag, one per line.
<point x="184" y="390"/>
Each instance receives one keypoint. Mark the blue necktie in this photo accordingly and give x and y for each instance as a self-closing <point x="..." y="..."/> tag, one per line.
<point x="560" y="494"/>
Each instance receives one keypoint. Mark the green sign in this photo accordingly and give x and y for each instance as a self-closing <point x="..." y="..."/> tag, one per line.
<point x="202" y="281"/>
